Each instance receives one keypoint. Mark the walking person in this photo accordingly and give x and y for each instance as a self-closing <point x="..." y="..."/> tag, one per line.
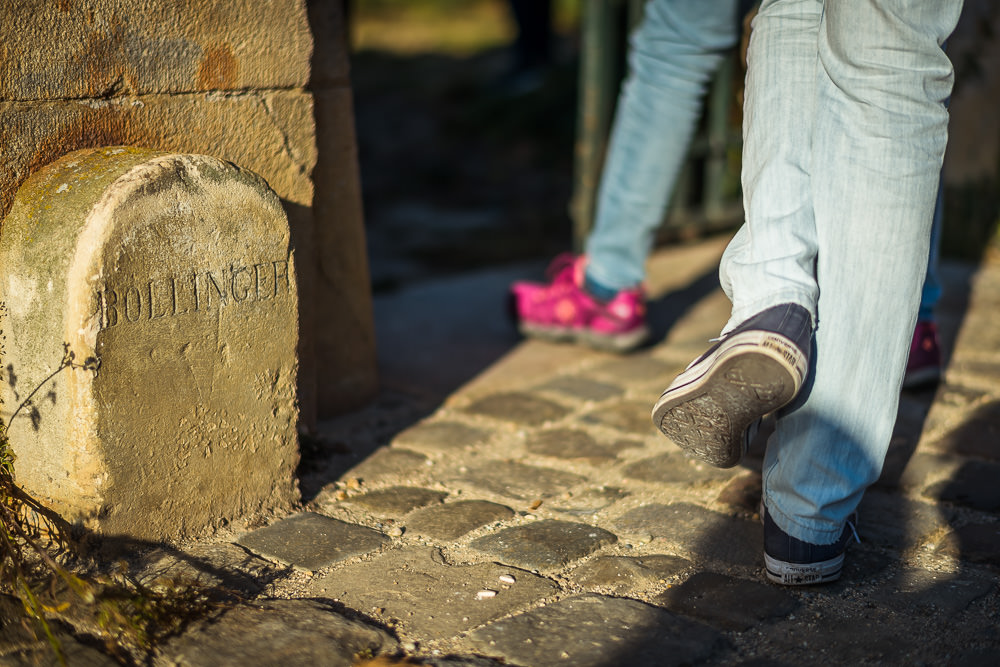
<point x="845" y="127"/>
<point x="597" y="298"/>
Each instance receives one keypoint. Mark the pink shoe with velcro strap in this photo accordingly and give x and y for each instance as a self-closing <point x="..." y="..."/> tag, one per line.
<point x="561" y="310"/>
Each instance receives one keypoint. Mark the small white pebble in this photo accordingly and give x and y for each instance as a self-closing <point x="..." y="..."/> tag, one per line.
<point x="395" y="531"/>
<point x="507" y="578"/>
<point x="485" y="595"/>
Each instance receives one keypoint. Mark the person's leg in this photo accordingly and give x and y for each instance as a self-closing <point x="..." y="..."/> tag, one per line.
<point x="923" y="366"/>
<point x="771" y="260"/>
<point x="673" y="54"/>
<point x="767" y="271"/>
<point x="930" y="294"/>
<point x="598" y="299"/>
<point x="877" y="145"/>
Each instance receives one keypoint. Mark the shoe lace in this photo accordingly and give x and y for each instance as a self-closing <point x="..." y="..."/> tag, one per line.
<point x="854" y="530"/>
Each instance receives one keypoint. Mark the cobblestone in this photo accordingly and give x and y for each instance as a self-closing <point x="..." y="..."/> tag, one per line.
<point x="21" y="647"/>
<point x="575" y="444"/>
<point x="638" y="368"/>
<point x="582" y="388"/>
<point x="518" y="480"/>
<point x="452" y="520"/>
<point x="628" y="416"/>
<point x="925" y="466"/>
<point x="387" y="463"/>
<point x="597" y="631"/>
<point x="949" y="406"/>
<point x="973" y="485"/>
<point x="425" y="597"/>
<point x="705" y="535"/>
<point x="39" y="652"/>
<point x="15" y="636"/>
<point x="721" y="601"/>
<point x="863" y="565"/>
<point x="742" y="493"/>
<point x="291" y="633"/>
<point x="587" y="502"/>
<point x="975" y="543"/>
<point x="843" y="641"/>
<point x="545" y="545"/>
<point x="890" y="521"/>
<point x="312" y="541"/>
<point x="955" y="394"/>
<point x="674" y="468"/>
<point x="624" y="574"/>
<point x="396" y="501"/>
<point x="441" y="436"/>
<point x="548" y="461"/>
<point x="520" y="408"/>
<point x="934" y="592"/>
<point x="977" y="435"/>
<point x="221" y="565"/>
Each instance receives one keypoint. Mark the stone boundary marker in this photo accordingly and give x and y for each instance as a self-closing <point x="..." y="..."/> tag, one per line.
<point x="169" y="278"/>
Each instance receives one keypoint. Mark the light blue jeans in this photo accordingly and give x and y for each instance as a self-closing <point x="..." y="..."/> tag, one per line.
<point x="845" y="127"/>
<point x="930" y="294"/>
<point x="673" y="55"/>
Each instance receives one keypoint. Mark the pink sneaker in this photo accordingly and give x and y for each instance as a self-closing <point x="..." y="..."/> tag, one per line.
<point x="561" y="310"/>
<point x="923" y="368"/>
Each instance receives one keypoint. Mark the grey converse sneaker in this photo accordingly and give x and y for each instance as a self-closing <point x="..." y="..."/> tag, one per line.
<point x="754" y="369"/>
<point x="792" y="562"/>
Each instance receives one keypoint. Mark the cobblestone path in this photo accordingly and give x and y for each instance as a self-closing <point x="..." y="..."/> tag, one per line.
<point x="536" y="518"/>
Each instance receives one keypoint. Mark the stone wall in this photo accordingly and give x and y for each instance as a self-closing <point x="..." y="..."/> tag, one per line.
<point x="261" y="84"/>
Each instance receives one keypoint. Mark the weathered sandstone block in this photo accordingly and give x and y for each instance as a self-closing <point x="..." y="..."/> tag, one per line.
<point x="235" y="80"/>
<point x="171" y="278"/>
<point x="74" y="49"/>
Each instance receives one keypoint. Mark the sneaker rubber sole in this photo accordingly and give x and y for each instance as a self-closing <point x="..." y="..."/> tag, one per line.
<point x="619" y="342"/>
<point x="803" y="574"/>
<point x="788" y="573"/>
<point x="922" y="378"/>
<point x="709" y="407"/>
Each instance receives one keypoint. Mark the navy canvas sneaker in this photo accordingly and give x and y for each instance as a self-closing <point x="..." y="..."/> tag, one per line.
<point x="754" y="369"/>
<point x="792" y="562"/>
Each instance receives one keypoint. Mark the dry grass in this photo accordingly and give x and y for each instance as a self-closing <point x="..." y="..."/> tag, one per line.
<point x="40" y="566"/>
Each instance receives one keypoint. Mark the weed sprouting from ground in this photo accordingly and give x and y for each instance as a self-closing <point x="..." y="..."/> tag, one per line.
<point x="40" y="565"/>
<point x="31" y="539"/>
